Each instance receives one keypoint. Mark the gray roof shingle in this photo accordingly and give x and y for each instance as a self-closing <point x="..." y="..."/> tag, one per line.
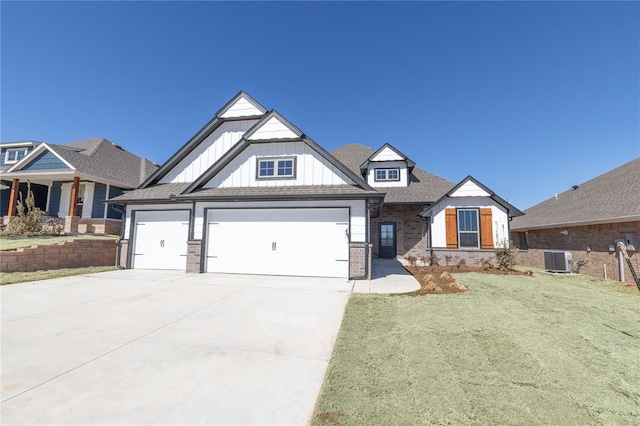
<point x="101" y="158"/>
<point x="423" y="186"/>
<point x="173" y="190"/>
<point x="612" y="196"/>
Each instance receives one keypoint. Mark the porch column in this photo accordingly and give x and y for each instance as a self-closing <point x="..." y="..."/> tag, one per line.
<point x="13" y="197"/>
<point x="75" y="188"/>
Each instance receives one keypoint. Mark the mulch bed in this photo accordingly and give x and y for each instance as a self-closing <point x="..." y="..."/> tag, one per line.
<point x="438" y="279"/>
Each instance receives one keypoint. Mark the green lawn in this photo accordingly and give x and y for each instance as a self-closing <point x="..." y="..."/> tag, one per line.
<point x="14" y="242"/>
<point x="512" y="350"/>
<point x="21" y="277"/>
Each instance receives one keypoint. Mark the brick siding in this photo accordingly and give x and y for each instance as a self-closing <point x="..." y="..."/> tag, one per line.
<point x="194" y="250"/>
<point x="68" y="254"/>
<point x="599" y="237"/>
<point x="359" y="261"/>
<point x="410" y="230"/>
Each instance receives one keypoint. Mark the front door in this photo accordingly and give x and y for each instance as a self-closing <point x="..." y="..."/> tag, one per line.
<point x="387" y="233"/>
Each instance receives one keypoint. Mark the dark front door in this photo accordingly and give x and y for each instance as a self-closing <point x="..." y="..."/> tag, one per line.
<point x="387" y="233"/>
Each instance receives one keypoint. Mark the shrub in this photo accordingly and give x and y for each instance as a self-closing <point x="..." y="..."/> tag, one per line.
<point x="447" y="259"/>
<point x="433" y="260"/>
<point x="461" y="262"/>
<point x="30" y="220"/>
<point x="486" y="264"/>
<point x="506" y="254"/>
<point x="411" y="259"/>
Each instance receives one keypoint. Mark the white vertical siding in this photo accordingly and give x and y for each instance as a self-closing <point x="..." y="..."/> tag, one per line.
<point x="499" y="218"/>
<point x="387" y="154"/>
<point x="357" y="219"/>
<point x="404" y="173"/>
<point x="273" y="129"/>
<point x="241" y="108"/>
<point x="208" y="152"/>
<point x="470" y="189"/>
<point x="311" y="168"/>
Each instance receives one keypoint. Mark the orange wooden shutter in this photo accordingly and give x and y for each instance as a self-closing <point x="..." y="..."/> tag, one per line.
<point x="451" y="227"/>
<point x="486" y="228"/>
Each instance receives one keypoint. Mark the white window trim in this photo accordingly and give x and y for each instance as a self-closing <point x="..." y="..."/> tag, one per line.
<point x="16" y="150"/>
<point x="386" y="174"/>
<point x="275" y="175"/>
<point x="477" y="232"/>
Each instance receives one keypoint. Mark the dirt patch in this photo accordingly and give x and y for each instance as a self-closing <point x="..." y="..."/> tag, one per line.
<point x="332" y="418"/>
<point x="438" y="279"/>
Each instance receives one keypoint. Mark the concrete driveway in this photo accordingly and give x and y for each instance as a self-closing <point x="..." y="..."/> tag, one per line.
<point x="157" y="347"/>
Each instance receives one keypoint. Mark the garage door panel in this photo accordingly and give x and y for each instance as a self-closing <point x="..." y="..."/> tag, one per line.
<point x="305" y="242"/>
<point x="160" y="240"/>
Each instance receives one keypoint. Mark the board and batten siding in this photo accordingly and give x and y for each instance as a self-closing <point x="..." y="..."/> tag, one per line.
<point x="387" y="154"/>
<point x="357" y="208"/>
<point x="311" y="168"/>
<point x="99" y="195"/>
<point x="371" y="174"/>
<point x="499" y="218"/>
<point x="208" y="152"/>
<point x="470" y="189"/>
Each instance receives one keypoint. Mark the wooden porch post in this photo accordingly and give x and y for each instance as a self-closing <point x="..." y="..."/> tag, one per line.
<point x="75" y="188"/>
<point x="13" y="197"/>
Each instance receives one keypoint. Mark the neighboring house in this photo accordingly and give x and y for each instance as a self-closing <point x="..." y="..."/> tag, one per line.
<point x="71" y="181"/>
<point x="251" y="193"/>
<point x="588" y="217"/>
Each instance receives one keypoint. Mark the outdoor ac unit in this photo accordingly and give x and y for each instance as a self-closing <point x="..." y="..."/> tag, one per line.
<point x="557" y="261"/>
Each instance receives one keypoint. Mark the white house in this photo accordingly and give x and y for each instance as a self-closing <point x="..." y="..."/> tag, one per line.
<point x="251" y="193"/>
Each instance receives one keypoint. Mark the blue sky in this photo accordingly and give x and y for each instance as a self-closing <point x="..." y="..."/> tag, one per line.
<point x="529" y="98"/>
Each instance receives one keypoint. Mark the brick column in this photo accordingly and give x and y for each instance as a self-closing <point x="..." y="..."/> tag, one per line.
<point x="358" y="260"/>
<point x="194" y="250"/>
<point x="71" y="224"/>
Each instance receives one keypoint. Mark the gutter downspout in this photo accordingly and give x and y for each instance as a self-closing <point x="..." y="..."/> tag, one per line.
<point x="120" y="237"/>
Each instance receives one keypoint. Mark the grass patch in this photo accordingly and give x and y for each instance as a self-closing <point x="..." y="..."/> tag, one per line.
<point x="523" y="350"/>
<point x="14" y="242"/>
<point x="21" y="277"/>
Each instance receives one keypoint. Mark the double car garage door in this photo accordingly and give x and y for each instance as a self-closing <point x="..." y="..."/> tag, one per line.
<point x="297" y="241"/>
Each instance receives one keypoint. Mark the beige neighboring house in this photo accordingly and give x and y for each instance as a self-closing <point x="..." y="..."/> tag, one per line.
<point x="586" y="221"/>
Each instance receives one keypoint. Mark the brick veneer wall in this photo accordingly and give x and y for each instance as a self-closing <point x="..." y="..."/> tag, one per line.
<point x="410" y="231"/>
<point x="576" y="242"/>
<point x="99" y="226"/>
<point x="194" y="249"/>
<point x="124" y="253"/>
<point x="68" y="254"/>
<point x="359" y="260"/>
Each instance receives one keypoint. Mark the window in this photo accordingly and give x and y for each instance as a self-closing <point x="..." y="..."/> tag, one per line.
<point x="468" y="234"/>
<point x="276" y="168"/>
<point x="14" y="155"/>
<point x="387" y="175"/>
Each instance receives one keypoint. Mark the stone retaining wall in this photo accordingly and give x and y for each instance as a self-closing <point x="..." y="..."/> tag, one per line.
<point x="67" y="254"/>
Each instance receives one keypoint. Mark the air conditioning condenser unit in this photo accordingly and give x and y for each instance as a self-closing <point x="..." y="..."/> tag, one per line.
<point x="557" y="261"/>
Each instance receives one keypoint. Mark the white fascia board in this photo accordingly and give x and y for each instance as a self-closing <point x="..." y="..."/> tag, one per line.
<point x="30" y="156"/>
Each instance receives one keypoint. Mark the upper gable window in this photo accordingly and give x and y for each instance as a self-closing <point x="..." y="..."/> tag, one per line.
<point x="382" y="175"/>
<point x="273" y="168"/>
<point x="13" y="155"/>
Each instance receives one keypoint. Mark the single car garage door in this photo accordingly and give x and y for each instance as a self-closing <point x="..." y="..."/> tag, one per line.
<point x="160" y="240"/>
<point x="299" y="241"/>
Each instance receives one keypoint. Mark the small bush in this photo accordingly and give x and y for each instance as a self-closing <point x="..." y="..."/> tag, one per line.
<point x="433" y="260"/>
<point x="412" y="260"/>
<point x="461" y="262"/>
<point x="486" y="264"/>
<point x="506" y="255"/>
<point x="447" y="259"/>
<point x="30" y="220"/>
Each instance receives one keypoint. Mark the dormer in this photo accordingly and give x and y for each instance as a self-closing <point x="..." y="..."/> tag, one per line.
<point x="387" y="167"/>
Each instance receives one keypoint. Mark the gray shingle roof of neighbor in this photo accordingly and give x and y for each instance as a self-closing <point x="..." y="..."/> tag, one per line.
<point x="171" y="191"/>
<point x="100" y="158"/>
<point x="423" y="188"/>
<point x="611" y="197"/>
<point x="155" y="192"/>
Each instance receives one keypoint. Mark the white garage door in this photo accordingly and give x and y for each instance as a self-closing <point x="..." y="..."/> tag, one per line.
<point x="303" y="242"/>
<point x="160" y="240"/>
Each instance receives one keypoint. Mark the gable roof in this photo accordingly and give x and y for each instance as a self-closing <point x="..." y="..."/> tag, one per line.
<point x="423" y="188"/>
<point x="202" y="134"/>
<point x="365" y="164"/>
<point x="248" y="140"/>
<point x="98" y="158"/>
<point x="611" y="197"/>
<point x="512" y="211"/>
